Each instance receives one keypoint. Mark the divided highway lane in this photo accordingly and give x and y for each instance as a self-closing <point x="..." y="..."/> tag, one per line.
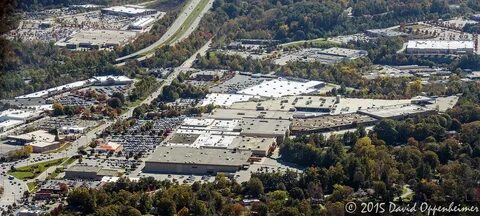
<point x="176" y="27"/>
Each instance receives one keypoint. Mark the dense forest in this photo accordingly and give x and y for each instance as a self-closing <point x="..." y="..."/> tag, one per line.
<point x="289" y="20"/>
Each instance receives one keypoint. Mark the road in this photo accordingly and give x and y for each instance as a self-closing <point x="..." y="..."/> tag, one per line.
<point x="185" y="66"/>
<point x="172" y="30"/>
<point x="13" y="189"/>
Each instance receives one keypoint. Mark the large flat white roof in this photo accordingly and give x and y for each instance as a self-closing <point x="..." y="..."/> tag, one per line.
<point x="127" y="9"/>
<point x="279" y="87"/>
<point x="16" y="114"/>
<point x="225" y="99"/>
<point x="209" y="124"/>
<point x="115" y="78"/>
<point x="55" y="89"/>
<point x="440" y="44"/>
<point x="10" y="123"/>
<point x="213" y="141"/>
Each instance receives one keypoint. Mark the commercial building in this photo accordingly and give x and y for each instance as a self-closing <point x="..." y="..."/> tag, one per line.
<point x="280" y="87"/>
<point x="9" y="124"/>
<point x="252" y="44"/>
<point x="56" y="90"/>
<point x="128" y="10"/>
<point x="23" y="115"/>
<point x="71" y="130"/>
<point x="331" y="123"/>
<point x="475" y="75"/>
<point x="316" y="104"/>
<point x="97" y="39"/>
<point x="142" y="23"/>
<point x="226" y="100"/>
<point x="259" y="146"/>
<point x="109" y="147"/>
<point x="209" y="124"/>
<point x="79" y="171"/>
<point x="227" y="114"/>
<point x="111" y="80"/>
<point x="266" y="128"/>
<point x="196" y="161"/>
<point x="51" y="190"/>
<point x="325" y="56"/>
<point x="39" y="136"/>
<point x="41" y="146"/>
<point x="440" y="47"/>
<point x="397" y="111"/>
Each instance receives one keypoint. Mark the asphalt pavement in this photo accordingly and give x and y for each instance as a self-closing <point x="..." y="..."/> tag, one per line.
<point x="177" y="24"/>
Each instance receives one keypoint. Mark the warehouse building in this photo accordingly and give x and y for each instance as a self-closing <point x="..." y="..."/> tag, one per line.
<point x="259" y="146"/>
<point x="180" y="160"/>
<point x="398" y="112"/>
<point x="110" y="80"/>
<point x="79" y="171"/>
<point x="142" y="23"/>
<point x="331" y="123"/>
<point x="127" y="10"/>
<point x="281" y="87"/>
<point x="266" y="128"/>
<point x="41" y="147"/>
<point x="440" y="47"/>
<point x="39" y="135"/>
<point x="244" y="113"/>
<point x="225" y="100"/>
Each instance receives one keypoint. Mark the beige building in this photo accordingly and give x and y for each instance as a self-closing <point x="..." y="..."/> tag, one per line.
<point x="40" y="147"/>
<point x="201" y="161"/>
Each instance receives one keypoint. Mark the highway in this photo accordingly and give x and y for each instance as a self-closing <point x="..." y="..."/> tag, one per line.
<point x="170" y="36"/>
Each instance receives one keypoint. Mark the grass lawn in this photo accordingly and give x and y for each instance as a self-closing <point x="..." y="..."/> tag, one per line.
<point x="34" y="170"/>
<point x="31" y="186"/>
<point x="59" y="170"/>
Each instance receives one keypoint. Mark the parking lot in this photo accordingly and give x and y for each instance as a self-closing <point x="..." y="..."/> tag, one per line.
<point x="185" y="179"/>
<point x="112" y="163"/>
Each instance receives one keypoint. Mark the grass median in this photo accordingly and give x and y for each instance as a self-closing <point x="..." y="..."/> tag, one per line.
<point x="34" y="170"/>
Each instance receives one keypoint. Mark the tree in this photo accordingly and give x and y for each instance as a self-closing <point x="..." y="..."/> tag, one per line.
<point x="386" y="131"/>
<point x="183" y="212"/>
<point x="82" y="199"/>
<point x="297" y="193"/>
<point x="199" y="208"/>
<point x="120" y="96"/>
<point x="470" y="133"/>
<point x="145" y="204"/>
<point x="233" y="210"/>
<point x="114" y="103"/>
<point x="166" y="207"/>
<point x="260" y="208"/>
<point x="255" y="187"/>
<point x="58" y="109"/>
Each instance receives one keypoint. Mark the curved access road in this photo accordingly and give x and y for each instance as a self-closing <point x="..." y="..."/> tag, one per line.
<point x="181" y="28"/>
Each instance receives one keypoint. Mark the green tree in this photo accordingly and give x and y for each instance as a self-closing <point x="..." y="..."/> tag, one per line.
<point x="255" y="187"/>
<point x="386" y="131"/>
<point x="166" y="207"/>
